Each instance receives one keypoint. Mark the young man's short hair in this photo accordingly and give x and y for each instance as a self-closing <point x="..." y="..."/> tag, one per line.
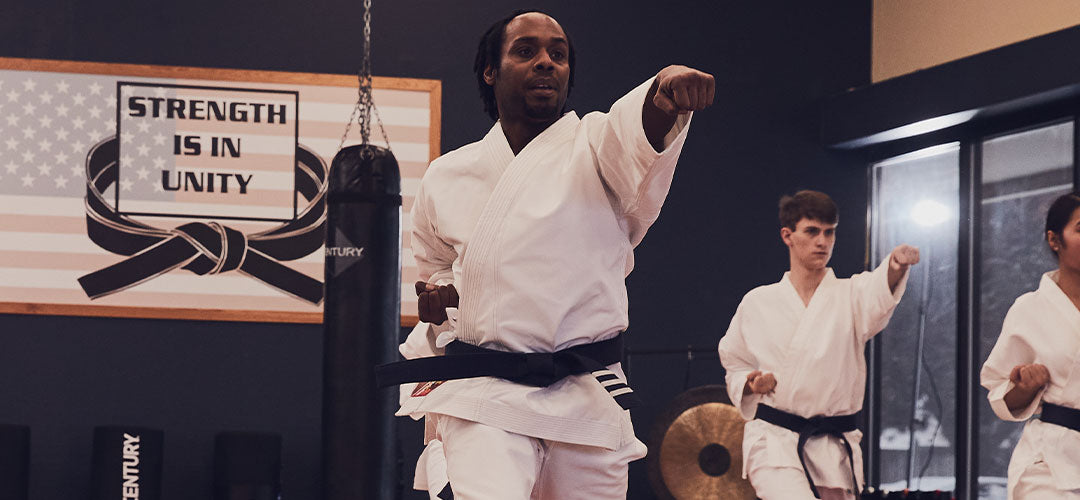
<point x="807" y="204"/>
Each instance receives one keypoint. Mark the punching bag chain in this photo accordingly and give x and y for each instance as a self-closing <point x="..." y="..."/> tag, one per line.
<point x="365" y="104"/>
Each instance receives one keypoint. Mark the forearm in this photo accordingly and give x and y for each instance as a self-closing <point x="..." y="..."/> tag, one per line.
<point x="900" y="260"/>
<point x="896" y="272"/>
<point x="1018" y="398"/>
<point x="654" y="120"/>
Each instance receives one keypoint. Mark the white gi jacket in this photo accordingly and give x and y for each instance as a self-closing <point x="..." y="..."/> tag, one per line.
<point x="1041" y="327"/>
<point x="538" y="246"/>
<point x="817" y="354"/>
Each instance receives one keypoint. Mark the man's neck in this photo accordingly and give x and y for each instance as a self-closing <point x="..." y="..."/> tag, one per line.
<point x="805" y="280"/>
<point x="519" y="133"/>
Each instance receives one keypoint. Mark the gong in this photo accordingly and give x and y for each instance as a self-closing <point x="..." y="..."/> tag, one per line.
<point x="695" y="448"/>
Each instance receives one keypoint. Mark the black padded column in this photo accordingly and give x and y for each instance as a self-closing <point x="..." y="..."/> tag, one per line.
<point x="127" y="463"/>
<point x="362" y="321"/>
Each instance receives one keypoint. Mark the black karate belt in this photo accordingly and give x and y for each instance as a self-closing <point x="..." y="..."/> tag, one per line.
<point x="537" y="369"/>
<point x="807" y="428"/>
<point x="202" y="247"/>
<point x="1061" y="415"/>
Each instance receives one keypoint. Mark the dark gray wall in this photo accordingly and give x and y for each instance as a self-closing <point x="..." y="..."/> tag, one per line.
<point x="717" y="236"/>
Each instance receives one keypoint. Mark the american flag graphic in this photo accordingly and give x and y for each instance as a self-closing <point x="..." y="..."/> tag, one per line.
<point x="53" y="114"/>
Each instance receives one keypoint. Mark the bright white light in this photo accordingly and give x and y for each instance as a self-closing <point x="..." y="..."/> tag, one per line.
<point x="928" y="213"/>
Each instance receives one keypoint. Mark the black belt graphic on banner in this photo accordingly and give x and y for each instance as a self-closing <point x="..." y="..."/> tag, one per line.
<point x="202" y="247"/>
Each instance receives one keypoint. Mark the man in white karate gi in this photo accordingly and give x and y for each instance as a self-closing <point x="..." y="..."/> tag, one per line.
<point x="794" y="359"/>
<point x="523" y="241"/>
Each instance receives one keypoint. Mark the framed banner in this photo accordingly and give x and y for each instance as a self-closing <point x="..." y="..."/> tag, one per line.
<point x="184" y="193"/>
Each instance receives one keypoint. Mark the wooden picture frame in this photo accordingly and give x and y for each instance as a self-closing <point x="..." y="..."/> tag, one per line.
<point x="41" y="102"/>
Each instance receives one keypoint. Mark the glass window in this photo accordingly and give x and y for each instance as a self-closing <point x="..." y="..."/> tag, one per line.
<point x="1022" y="173"/>
<point x="915" y="202"/>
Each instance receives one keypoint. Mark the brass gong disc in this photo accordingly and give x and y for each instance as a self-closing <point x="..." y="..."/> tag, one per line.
<point x="695" y="450"/>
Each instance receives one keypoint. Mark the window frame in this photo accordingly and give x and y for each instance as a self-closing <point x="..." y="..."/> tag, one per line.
<point x="970" y="137"/>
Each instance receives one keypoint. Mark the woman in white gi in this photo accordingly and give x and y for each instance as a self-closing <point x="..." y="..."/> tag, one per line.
<point x="534" y="226"/>
<point x="795" y="363"/>
<point x="1035" y="366"/>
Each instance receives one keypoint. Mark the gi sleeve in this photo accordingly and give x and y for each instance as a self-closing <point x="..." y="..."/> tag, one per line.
<point x="872" y="302"/>
<point x="420" y="343"/>
<point x="1012" y="348"/>
<point x="637" y="177"/>
<point x="738" y="362"/>
<point x="434" y="260"/>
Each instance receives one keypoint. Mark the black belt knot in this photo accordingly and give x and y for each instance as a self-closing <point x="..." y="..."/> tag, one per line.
<point x="822" y="425"/>
<point x="807" y="428"/>
<point x="540" y="369"/>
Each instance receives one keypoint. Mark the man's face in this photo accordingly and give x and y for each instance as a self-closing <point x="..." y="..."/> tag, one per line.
<point x="531" y="81"/>
<point x="811" y="243"/>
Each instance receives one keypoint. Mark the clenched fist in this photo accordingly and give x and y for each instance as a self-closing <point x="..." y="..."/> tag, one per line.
<point x="681" y="89"/>
<point x="904" y="256"/>
<point x="759" y="383"/>
<point x="432" y="301"/>
<point x="1030" y="378"/>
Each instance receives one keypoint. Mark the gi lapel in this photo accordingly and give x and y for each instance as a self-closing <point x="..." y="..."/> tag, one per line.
<point x="1052" y="293"/>
<point x="807" y="330"/>
<point x="1070" y="315"/>
<point x="478" y="264"/>
<point x="498" y="150"/>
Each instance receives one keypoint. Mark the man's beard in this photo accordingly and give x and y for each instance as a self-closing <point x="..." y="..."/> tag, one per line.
<point x="543" y="111"/>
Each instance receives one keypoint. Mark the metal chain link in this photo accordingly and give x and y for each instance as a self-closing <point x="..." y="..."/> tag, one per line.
<point x="364" y="100"/>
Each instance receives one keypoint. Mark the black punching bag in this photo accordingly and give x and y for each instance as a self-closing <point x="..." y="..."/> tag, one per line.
<point x="361" y="324"/>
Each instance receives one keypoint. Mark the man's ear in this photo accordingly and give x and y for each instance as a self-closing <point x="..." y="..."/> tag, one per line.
<point x="489" y="75"/>
<point x="785" y="235"/>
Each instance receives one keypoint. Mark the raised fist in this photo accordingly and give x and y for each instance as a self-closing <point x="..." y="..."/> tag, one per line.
<point x="681" y="89"/>
<point x="904" y="256"/>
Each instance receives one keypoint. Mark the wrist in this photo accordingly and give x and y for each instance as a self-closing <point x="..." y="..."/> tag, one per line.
<point x="748" y="387"/>
<point x="1027" y="391"/>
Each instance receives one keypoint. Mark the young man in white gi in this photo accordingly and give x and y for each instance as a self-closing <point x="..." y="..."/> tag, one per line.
<point x="1035" y="368"/>
<point x="794" y="357"/>
<point x="534" y="228"/>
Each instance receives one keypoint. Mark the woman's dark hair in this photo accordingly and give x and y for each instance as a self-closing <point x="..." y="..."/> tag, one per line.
<point x="1057" y="217"/>
<point x="806" y="204"/>
<point x="489" y="53"/>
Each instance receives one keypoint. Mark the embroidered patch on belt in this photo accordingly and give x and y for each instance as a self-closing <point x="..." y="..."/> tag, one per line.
<point x="425" y="388"/>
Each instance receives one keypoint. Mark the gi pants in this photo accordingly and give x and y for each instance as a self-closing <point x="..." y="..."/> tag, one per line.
<point x="789" y="483"/>
<point x="487" y="463"/>
<point x="1034" y="482"/>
